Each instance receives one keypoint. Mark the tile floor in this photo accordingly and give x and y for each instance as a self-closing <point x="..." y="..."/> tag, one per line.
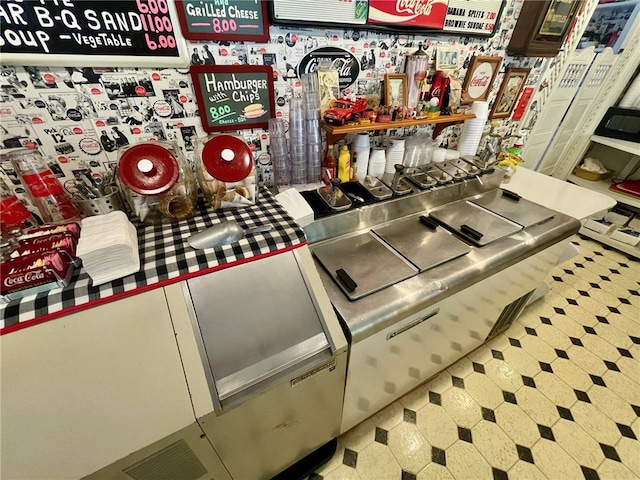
<point x="556" y="396"/>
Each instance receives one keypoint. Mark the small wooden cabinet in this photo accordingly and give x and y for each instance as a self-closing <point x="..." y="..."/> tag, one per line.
<point x="542" y="27"/>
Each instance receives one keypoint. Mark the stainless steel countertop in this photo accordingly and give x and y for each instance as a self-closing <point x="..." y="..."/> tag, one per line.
<point x="375" y="312"/>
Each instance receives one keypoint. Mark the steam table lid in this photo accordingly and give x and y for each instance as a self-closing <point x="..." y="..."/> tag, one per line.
<point x="148" y="169"/>
<point x="227" y="158"/>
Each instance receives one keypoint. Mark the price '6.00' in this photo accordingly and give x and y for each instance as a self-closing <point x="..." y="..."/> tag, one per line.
<point x="220" y="112"/>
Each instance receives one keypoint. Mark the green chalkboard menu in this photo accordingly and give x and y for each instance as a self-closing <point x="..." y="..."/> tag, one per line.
<point x="235" y="20"/>
<point x="89" y="33"/>
<point x="234" y="97"/>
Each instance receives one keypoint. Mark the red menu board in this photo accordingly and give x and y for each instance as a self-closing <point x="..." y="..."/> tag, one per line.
<point x="413" y="13"/>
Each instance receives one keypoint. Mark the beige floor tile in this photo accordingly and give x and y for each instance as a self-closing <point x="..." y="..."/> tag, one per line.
<point x="517" y="424"/>
<point x="483" y="390"/>
<point x="376" y="462"/>
<point x="389" y="416"/>
<point x="555" y="462"/>
<point x="556" y="389"/>
<point x="503" y="375"/>
<point x="580" y="315"/>
<point x="521" y="361"/>
<point x="525" y="471"/>
<point x="494" y="445"/>
<point x="461" y="407"/>
<point x="616" y="289"/>
<point x="613" y="335"/>
<point x="538" y="349"/>
<point x="416" y="399"/>
<point x="567" y="325"/>
<point x="592" y="306"/>
<point x="593" y="267"/>
<point x="360" y="436"/>
<point x="607" y="261"/>
<point x="612" y="405"/>
<point x="612" y="470"/>
<point x="343" y="472"/>
<point x="481" y="355"/>
<point x="465" y="462"/>
<point x="586" y="360"/>
<point x="635" y="427"/>
<point x="435" y="471"/>
<point x="579" y="444"/>
<point x="437" y="426"/>
<point x="334" y="462"/>
<point x="634" y="299"/>
<point x="629" y="367"/>
<point x="575" y="282"/>
<point x="625" y="323"/>
<point x="595" y="423"/>
<point x="408" y="445"/>
<point x="600" y="347"/>
<point x="566" y="290"/>
<point x="625" y="282"/>
<point x="604" y="297"/>
<point x="571" y="374"/>
<point x="529" y="319"/>
<point x="555" y="300"/>
<point x="440" y="383"/>
<point x="516" y="330"/>
<point x="461" y="368"/>
<point x="540" y="309"/>
<point x="537" y="406"/>
<point x="553" y="336"/>
<point x="584" y="274"/>
<point x="629" y="452"/>
<point x="500" y="343"/>
<point x="623" y="386"/>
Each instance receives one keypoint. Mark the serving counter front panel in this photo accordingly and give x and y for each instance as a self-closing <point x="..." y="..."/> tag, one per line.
<point x="165" y="258"/>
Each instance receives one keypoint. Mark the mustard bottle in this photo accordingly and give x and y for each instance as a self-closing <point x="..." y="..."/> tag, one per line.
<point x="344" y="164"/>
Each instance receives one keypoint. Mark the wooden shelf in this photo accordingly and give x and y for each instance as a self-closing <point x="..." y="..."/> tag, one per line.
<point x="622" y="145"/>
<point x="335" y="132"/>
<point x="602" y="186"/>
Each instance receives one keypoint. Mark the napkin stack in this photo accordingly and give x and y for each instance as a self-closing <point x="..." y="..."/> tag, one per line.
<point x="108" y="247"/>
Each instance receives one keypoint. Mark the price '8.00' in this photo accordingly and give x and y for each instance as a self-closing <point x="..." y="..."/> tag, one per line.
<point x="224" y="25"/>
<point x="219" y="112"/>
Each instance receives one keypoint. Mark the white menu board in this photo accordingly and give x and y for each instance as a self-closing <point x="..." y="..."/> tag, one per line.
<point x="477" y="17"/>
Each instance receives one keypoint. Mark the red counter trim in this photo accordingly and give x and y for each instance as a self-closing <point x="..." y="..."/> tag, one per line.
<point x="117" y="296"/>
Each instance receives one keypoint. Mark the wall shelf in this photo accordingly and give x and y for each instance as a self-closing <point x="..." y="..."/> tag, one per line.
<point x="622" y="145"/>
<point x="336" y="132"/>
<point x="602" y="186"/>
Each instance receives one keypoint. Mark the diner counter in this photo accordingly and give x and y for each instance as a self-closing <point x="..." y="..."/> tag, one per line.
<point x="165" y="258"/>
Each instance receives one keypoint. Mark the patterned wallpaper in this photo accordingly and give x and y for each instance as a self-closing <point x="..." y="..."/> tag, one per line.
<point x="79" y="117"/>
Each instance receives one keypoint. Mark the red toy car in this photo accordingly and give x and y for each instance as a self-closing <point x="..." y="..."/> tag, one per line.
<point x="345" y="110"/>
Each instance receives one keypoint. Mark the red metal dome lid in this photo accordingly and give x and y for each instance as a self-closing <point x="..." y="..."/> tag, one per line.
<point x="148" y="169"/>
<point x="227" y="158"/>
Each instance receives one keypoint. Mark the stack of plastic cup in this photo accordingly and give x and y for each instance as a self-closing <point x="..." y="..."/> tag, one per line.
<point x="311" y="99"/>
<point x="472" y="129"/>
<point x="279" y="152"/>
<point x="377" y="161"/>
<point x="362" y="147"/>
<point x="395" y="154"/>
<point x="297" y="141"/>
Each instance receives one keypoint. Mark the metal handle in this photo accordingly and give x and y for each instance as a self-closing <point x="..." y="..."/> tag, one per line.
<point x="511" y="195"/>
<point x="429" y="222"/>
<point x="346" y="279"/>
<point x="258" y="229"/>
<point x="472" y="232"/>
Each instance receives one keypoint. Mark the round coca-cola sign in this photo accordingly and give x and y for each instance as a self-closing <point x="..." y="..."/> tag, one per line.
<point x="340" y="60"/>
<point x="479" y="79"/>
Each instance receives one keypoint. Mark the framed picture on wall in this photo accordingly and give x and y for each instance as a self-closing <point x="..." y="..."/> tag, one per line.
<point x="479" y="79"/>
<point x="395" y="89"/>
<point x="512" y="84"/>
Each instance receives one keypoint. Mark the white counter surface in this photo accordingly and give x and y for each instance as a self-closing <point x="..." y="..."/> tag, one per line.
<point x="578" y="202"/>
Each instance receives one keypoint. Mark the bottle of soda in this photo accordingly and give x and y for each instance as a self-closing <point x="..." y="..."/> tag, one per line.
<point x="14" y="216"/>
<point x="46" y="193"/>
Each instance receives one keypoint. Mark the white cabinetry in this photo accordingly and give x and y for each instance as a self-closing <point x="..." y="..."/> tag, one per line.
<point x="623" y="158"/>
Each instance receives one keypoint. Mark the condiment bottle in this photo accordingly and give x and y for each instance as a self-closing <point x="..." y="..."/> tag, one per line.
<point x="330" y="166"/>
<point x="354" y="167"/>
<point x="14" y="216"/>
<point x="344" y="164"/>
<point x="51" y="200"/>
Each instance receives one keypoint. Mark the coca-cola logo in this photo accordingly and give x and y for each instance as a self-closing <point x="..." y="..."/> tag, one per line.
<point x="24" y="278"/>
<point x="414" y="7"/>
<point x="423" y="13"/>
<point x="480" y="80"/>
<point x="338" y="59"/>
<point x="90" y="146"/>
<point x="162" y="108"/>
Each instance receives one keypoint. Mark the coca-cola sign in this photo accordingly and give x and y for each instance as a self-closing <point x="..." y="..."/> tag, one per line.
<point x="479" y="78"/>
<point x="336" y="58"/>
<point x="415" y="13"/>
<point x="29" y="278"/>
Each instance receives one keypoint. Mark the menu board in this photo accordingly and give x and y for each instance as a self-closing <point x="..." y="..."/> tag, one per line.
<point x="233" y="97"/>
<point x="235" y="20"/>
<point x="90" y="33"/>
<point x="473" y="16"/>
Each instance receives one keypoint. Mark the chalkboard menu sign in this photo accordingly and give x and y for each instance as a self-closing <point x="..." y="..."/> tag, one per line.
<point x="235" y="20"/>
<point x="91" y="33"/>
<point x="233" y="97"/>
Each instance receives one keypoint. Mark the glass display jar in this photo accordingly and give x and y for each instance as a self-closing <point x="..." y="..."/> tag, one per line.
<point x="225" y="171"/>
<point x="157" y="182"/>
<point x="45" y="192"/>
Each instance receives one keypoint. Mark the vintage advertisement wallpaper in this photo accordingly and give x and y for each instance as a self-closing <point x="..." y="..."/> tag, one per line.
<point x="79" y="117"/>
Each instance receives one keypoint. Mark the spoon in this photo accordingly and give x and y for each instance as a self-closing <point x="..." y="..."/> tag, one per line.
<point x="223" y="234"/>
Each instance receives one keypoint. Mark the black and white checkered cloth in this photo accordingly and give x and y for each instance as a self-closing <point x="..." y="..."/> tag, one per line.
<point x="165" y="257"/>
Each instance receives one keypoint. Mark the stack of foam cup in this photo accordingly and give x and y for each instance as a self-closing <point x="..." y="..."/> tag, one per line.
<point x="377" y="161"/>
<point x="362" y="148"/>
<point x="313" y="140"/>
<point x="472" y="129"/>
<point x="395" y="154"/>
